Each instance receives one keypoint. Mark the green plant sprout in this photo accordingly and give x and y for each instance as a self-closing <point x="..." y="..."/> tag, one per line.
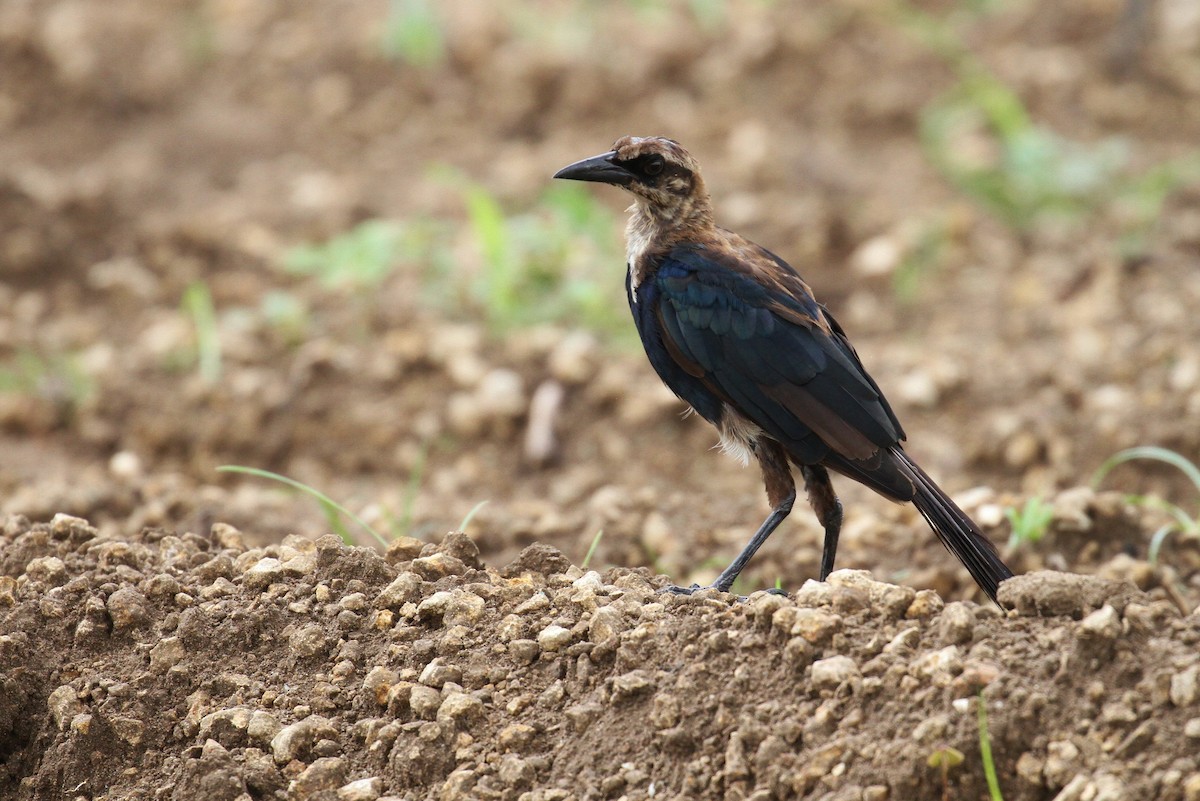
<point x="413" y="33"/>
<point x="981" y="137"/>
<point x="540" y="265"/>
<point x="466" y="521"/>
<point x="359" y="259"/>
<point x="56" y="377"/>
<point x="332" y="509"/>
<point x="921" y="261"/>
<point x="944" y="760"/>
<point x="286" y="314"/>
<point x="1030" y="522"/>
<point x="534" y="266"/>
<point x="415" y="476"/>
<point x="1181" y="522"/>
<point x="197" y="304"/>
<point x="985" y="751"/>
<point x="591" y="551"/>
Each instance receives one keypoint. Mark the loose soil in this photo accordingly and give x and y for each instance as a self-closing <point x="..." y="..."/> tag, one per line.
<point x="167" y="631"/>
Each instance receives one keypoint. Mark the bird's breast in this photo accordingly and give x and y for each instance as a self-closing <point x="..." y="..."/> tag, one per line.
<point x="639" y="234"/>
<point x="738" y="435"/>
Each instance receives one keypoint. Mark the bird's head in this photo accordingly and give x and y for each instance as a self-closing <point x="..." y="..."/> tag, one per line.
<point x="663" y="176"/>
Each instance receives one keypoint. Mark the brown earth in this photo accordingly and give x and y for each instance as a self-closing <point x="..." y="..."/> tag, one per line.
<point x="152" y="652"/>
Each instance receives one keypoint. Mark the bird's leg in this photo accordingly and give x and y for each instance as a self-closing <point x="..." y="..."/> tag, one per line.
<point x="781" y="493"/>
<point x="828" y="509"/>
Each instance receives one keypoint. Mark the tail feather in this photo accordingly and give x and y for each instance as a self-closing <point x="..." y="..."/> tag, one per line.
<point x="955" y="529"/>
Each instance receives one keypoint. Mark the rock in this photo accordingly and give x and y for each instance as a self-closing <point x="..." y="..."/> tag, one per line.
<point x="1072" y="510"/>
<point x="553" y="637"/>
<point x="166" y="654"/>
<point x="403" y="549"/>
<point x="48" y="570"/>
<point x="226" y="726"/>
<point x="436" y="566"/>
<point x="307" y="641"/>
<point x="516" y="772"/>
<point x="501" y="393"/>
<point x="461" y="547"/>
<point x="361" y="790"/>
<point x="1191" y="729"/>
<point x="436" y="674"/>
<point x="424" y="701"/>
<point x="906" y="640"/>
<point x="1062" y="763"/>
<point x="1191" y="788"/>
<point x="464" y="608"/>
<point x="262" y="573"/>
<point x="581" y="716"/>
<point x="64" y="705"/>
<point x="128" y="609"/>
<point x="926" y="603"/>
<point x="516" y="737"/>
<point x="457" y="786"/>
<point x="459" y="710"/>
<point x="129" y="730"/>
<point x="832" y="672"/>
<point x="938" y="666"/>
<point x="1102" y="625"/>
<point x="1047" y="593"/>
<point x="765" y="605"/>
<point x="297" y="740"/>
<point x="956" y="623"/>
<point x="326" y="773"/>
<point x="434" y="607"/>
<point x="524" y="651"/>
<point x="262" y="727"/>
<point x="572" y="360"/>
<point x="1185" y="688"/>
<point x="405" y="588"/>
<point x="537" y="558"/>
<point x="815" y="625"/>
<point x="74" y="529"/>
<point x="606" y="623"/>
<point x="633" y="683"/>
<point x="379" y="681"/>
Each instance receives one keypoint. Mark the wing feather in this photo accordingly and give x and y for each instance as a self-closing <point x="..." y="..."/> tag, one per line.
<point x="751" y="332"/>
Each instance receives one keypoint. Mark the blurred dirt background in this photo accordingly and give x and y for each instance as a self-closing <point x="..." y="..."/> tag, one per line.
<point x="320" y="239"/>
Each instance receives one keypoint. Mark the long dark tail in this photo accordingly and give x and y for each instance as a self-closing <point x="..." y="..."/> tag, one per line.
<point x="955" y="529"/>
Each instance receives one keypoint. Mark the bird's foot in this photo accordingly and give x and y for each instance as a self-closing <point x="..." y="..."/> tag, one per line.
<point x="675" y="589"/>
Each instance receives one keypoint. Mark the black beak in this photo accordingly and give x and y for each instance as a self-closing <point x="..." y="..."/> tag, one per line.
<point x="602" y="169"/>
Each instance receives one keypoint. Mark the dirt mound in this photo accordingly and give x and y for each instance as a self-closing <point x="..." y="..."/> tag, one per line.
<point x="186" y="667"/>
<point x="162" y="164"/>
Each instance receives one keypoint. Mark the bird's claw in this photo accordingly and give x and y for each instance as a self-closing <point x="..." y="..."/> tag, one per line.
<point x="675" y="589"/>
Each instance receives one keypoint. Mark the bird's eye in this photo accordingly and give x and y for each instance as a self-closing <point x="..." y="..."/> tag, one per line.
<point x="654" y="165"/>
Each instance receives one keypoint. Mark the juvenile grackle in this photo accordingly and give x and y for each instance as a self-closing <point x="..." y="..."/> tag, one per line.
<point x="735" y="331"/>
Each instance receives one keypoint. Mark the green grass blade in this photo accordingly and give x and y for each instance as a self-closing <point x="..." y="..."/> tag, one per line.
<point x="328" y="505"/>
<point x="1156" y="543"/>
<point x="1154" y="453"/>
<point x="466" y="521"/>
<point x="1185" y="521"/>
<point x="404" y="524"/>
<point x="198" y="304"/>
<point x="985" y="751"/>
<point x="587" y="558"/>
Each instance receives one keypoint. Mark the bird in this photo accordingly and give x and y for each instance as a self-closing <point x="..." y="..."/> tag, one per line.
<point x="735" y="332"/>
